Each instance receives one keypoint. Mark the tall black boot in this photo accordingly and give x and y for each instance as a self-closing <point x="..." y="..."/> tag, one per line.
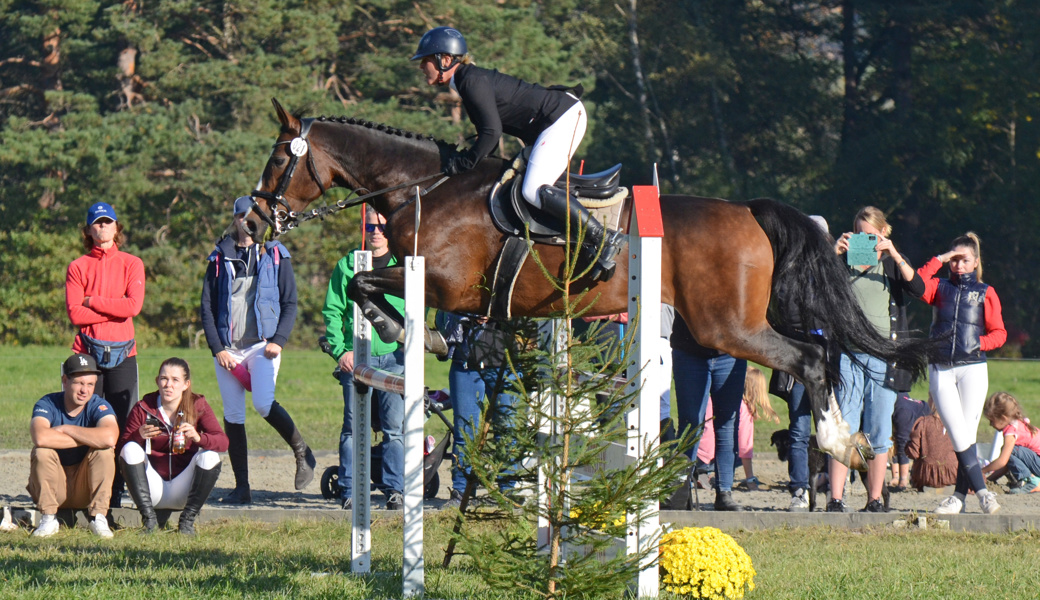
<point x="283" y="424"/>
<point x="238" y="452"/>
<point x="563" y="206"/>
<point x="136" y="477"/>
<point x="202" y="483"/>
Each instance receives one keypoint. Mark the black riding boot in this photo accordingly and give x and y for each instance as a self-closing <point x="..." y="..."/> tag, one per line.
<point x="283" y="424"/>
<point x="136" y="477"/>
<point x="724" y="502"/>
<point x="238" y="452"/>
<point x="202" y="483"/>
<point x="563" y="206"/>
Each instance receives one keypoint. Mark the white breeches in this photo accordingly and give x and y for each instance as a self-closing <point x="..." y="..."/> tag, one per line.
<point x="959" y="392"/>
<point x="552" y="151"/>
<point x="263" y="373"/>
<point x="171" y="494"/>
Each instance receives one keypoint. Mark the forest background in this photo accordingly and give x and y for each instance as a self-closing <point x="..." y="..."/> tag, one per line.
<point x="924" y="108"/>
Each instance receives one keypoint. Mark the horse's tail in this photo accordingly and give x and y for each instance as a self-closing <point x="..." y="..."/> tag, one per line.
<point x="810" y="278"/>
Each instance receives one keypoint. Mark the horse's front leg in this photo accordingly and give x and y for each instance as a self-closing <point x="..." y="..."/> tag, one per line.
<point x="369" y="290"/>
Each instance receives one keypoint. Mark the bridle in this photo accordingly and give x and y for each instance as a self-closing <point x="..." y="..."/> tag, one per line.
<point x="284" y="218"/>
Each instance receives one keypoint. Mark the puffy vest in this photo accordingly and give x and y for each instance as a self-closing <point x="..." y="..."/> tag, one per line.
<point x="959" y="316"/>
<point x="268" y="305"/>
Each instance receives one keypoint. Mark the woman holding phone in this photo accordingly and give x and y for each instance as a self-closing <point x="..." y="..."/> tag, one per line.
<point x="868" y="386"/>
<point x="168" y="452"/>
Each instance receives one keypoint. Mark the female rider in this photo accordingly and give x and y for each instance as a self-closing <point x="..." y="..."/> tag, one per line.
<point x="551" y="121"/>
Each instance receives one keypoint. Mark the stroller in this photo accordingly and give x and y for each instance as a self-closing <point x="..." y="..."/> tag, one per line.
<point x="434" y="452"/>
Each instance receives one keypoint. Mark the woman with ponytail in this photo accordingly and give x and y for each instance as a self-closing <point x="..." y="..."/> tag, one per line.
<point x="967" y="319"/>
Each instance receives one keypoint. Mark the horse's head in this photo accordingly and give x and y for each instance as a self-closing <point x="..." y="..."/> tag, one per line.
<point x="290" y="181"/>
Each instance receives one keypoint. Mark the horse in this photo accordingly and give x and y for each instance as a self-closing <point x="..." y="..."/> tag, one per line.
<point x="722" y="262"/>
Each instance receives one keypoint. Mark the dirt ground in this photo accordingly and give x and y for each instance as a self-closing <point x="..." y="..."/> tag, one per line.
<point x="271" y="478"/>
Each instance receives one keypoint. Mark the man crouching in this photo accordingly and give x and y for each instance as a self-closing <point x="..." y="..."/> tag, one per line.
<point x="73" y="462"/>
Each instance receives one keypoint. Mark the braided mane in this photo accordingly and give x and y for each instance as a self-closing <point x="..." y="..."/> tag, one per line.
<point x="382" y="127"/>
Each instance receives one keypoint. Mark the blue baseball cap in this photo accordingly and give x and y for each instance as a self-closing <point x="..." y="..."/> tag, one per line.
<point x="100" y="210"/>
<point x="243" y="204"/>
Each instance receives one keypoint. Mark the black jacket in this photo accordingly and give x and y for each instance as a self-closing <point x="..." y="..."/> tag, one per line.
<point x="498" y="103"/>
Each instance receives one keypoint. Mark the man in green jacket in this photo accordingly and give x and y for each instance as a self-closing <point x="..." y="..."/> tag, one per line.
<point x="339" y="331"/>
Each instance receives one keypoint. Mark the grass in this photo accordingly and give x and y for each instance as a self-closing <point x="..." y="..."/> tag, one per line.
<point x="310" y="560"/>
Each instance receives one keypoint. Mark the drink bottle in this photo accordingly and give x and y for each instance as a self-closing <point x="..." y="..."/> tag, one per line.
<point x="178" y="435"/>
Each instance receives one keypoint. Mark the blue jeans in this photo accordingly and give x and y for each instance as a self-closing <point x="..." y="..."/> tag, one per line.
<point x="721" y="379"/>
<point x="1024" y="463"/>
<point x="468" y="389"/>
<point x="866" y="404"/>
<point x="391" y="414"/>
<point x="800" y="413"/>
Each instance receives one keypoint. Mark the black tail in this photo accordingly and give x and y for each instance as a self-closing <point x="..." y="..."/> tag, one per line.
<point x="810" y="278"/>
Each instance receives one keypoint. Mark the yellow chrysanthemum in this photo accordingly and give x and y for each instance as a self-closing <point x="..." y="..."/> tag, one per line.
<point x="704" y="562"/>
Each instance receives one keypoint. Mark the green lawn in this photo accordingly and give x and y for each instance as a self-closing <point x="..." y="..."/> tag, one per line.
<point x="310" y="560"/>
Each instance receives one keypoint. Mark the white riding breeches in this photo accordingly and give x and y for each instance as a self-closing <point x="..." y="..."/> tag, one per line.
<point x="172" y="494"/>
<point x="959" y="393"/>
<point x="263" y="373"/>
<point x="552" y="151"/>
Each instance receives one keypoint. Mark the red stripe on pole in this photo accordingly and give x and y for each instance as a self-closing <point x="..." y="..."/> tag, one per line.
<point x="646" y="211"/>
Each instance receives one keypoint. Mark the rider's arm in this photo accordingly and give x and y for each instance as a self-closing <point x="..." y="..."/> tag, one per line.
<point x="478" y="96"/>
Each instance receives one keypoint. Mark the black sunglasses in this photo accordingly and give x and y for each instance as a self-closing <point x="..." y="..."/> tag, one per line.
<point x="372" y="227"/>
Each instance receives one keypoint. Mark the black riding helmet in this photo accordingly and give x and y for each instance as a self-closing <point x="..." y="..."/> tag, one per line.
<point x="441" y="40"/>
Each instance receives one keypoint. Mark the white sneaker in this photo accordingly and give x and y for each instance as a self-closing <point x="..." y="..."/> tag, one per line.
<point x="48" y="526"/>
<point x="988" y="501"/>
<point x="8" y="524"/>
<point x="99" y="527"/>
<point x="799" y="503"/>
<point x="950" y="506"/>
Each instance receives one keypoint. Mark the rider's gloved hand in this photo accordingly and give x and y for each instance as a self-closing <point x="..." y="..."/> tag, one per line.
<point x="459" y="162"/>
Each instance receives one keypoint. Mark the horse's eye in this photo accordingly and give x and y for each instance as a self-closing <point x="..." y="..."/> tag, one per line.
<point x="278" y="161"/>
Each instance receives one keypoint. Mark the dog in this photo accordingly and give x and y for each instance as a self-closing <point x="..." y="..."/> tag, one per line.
<point x="817" y="466"/>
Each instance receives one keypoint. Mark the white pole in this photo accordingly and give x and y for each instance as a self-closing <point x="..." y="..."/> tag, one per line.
<point x="361" y="532"/>
<point x="414" y="298"/>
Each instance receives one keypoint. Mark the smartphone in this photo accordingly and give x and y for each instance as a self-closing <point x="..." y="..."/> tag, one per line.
<point x="150" y="420"/>
<point x="862" y="249"/>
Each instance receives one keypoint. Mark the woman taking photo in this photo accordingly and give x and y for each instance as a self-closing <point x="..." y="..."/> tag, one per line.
<point x="169" y="451"/>
<point x="551" y="121"/>
<point x="967" y="318"/>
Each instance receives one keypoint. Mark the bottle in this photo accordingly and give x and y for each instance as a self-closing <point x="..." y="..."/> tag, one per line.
<point x="178" y="435"/>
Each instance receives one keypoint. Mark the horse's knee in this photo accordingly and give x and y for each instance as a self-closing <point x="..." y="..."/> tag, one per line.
<point x="357" y="290"/>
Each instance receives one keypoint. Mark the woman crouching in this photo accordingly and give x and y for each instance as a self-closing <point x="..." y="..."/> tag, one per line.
<point x="169" y="450"/>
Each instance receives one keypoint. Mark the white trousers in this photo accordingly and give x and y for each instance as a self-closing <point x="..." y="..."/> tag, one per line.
<point x="959" y="392"/>
<point x="263" y="373"/>
<point x="172" y="494"/>
<point x="552" y="151"/>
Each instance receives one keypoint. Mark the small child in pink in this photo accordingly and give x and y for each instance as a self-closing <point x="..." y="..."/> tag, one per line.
<point x="1020" y="455"/>
<point x="756" y="405"/>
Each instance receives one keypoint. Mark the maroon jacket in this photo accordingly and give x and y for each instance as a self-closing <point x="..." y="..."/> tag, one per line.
<point x="167" y="464"/>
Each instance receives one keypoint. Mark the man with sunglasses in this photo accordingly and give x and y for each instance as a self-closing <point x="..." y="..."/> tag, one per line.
<point x="338" y="313"/>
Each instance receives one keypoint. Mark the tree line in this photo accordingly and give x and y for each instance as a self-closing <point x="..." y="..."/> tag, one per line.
<point x="924" y="108"/>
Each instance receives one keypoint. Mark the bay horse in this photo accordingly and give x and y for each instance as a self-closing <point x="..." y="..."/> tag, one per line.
<point x="722" y="261"/>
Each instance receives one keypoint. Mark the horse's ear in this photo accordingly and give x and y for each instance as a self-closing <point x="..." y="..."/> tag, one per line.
<point x="289" y="122"/>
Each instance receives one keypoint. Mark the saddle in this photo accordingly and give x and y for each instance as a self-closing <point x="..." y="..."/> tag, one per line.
<point x="513" y="216"/>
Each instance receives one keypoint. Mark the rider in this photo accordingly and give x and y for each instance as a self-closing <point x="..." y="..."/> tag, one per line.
<point x="552" y="121"/>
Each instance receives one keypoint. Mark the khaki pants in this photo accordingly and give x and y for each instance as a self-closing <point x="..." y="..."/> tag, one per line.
<point x="87" y="485"/>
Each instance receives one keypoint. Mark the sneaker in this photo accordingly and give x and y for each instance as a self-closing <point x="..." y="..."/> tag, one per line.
<point x="99" y="526"/>
<point x="799" y="503"/>
<point x="987" y="501"/>
<point x="48" y="526"/>
<point x="8" y="523"/>
<point x="875" y="506"/>
<point x="950" y="506"/>
<point x="454" y="500"/>
<point x="1027" y="486"/>
<point x="837" y="505"/>
<point x="752" y="484"/>
<point x="395" y="502"/>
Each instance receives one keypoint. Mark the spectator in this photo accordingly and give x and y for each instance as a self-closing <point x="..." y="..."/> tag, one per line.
<point x="159" y="474"/>
<point x="73" y="463"/>
<point x="338" y="313"/>
<point x="248" y="310"/>
<point x="967" y="318"/>
<point x="1020" y="454"/>
<point x="906" y="413"/>
<point x="867" y="392"/>
<point x="702" y="374"/>
<point x="935" y="463"/>
<point x="104" y="291"/>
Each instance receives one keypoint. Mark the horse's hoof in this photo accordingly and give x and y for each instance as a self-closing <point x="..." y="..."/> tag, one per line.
<point x="860" y="452"/>
<point x="435" y="343"/>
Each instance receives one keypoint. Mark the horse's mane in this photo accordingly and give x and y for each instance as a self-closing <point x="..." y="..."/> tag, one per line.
<point x="387" y="129"/>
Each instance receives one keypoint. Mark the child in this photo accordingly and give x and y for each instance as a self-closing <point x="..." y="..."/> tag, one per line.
<point x="935" y="462"/>
<point x="1020" y="455"/>
<point x="906" y="413"/>
<point x="755" y="405"/>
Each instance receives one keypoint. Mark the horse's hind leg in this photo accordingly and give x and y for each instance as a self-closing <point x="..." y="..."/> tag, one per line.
<point x="805" y="361"/>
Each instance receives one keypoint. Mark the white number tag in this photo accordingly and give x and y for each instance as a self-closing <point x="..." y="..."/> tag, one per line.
<point x="298" y="147"/>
